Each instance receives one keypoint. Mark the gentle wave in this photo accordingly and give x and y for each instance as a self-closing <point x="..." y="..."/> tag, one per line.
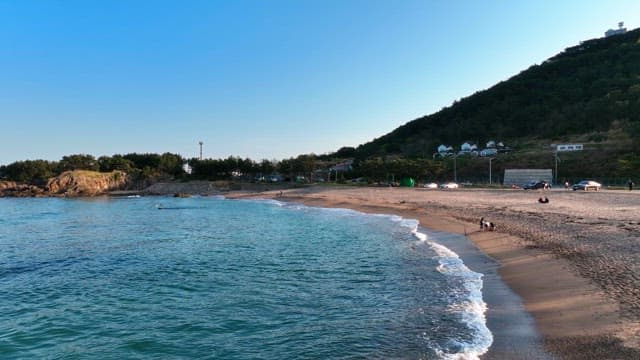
<point x="472" y="307"/>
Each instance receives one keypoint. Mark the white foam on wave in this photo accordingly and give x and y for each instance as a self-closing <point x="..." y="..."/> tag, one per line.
<point x="472" y="308"/>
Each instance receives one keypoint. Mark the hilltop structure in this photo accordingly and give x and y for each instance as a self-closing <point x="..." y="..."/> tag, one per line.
<point x="619" y="31"/>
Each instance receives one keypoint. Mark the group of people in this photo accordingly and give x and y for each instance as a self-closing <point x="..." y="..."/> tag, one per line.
<point x="487" y="225"/>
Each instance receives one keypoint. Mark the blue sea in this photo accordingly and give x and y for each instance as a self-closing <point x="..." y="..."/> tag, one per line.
<point x="212" y="278"/>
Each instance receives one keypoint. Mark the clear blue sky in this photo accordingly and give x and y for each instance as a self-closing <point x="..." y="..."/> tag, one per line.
<point x="261" y="79"/>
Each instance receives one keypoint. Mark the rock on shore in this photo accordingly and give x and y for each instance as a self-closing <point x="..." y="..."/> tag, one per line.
<point x="69" y="183"/>
<point x="13" y="189"/>
<point x="86" y="183"/>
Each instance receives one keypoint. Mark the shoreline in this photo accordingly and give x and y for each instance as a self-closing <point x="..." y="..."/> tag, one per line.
<point x="514" y="332"/>
<point x="574" y="317"/>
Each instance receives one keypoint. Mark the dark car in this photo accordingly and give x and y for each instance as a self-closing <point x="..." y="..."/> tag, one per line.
<point x="532" y="185"/>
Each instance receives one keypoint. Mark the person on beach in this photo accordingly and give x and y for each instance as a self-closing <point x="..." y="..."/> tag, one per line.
<point x="630" y="183"/>
<point x="566" y="185"/>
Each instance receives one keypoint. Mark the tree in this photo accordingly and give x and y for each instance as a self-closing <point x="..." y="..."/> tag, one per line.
<point x="140" y="161"/>
<point x="29" y="171"/>
<point x="117" y="162"/>
<point x="171" y="164"/>
<point x="78" y="162"/>
<point x="267" y="167"/>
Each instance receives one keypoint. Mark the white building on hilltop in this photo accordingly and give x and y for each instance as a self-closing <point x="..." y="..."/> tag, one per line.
<point x="620" y="30"/>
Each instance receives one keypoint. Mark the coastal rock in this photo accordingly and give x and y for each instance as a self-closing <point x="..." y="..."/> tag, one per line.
<point x="13" y="189"/>
<point x="7" y="185"/>
<point x="86" y="183"/>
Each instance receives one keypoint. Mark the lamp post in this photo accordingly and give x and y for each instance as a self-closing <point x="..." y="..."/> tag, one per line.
<point x="555" y="158"/>
<point x="490" y="159"/>
<point x="455" y="170"/>
<point x="555" y="181"/>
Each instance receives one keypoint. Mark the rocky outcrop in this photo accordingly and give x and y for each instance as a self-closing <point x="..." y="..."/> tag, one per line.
<point x="4" y="185"/>
<point x="13" y="189"/>
<point x="86" y="183"/>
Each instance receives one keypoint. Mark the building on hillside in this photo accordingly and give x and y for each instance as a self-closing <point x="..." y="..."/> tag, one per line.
<point x="619" y="31"/>
<point x="468" y="148"/>
<point x="443" y="151"/>
<point x="343" y="166"/>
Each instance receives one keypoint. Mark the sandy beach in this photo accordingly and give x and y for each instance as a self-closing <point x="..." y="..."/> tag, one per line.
<point x="574" y="262"/>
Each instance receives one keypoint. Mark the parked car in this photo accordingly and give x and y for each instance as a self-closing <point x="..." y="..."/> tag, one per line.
<point x="431" y="185"/>
<point x="489" y="152"/>
<point x="532" y="185"/>
<point x="586" y="185"/>
<point x="449" y="185"/>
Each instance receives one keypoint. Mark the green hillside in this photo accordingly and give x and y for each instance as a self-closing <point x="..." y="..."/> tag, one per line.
<point x="588" y="93"/>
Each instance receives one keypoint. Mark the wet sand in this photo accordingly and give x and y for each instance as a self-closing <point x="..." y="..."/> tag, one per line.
<point x="574" y="262"/>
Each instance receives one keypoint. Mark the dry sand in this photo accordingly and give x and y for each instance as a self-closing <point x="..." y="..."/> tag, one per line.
<point x="575" y="261"/>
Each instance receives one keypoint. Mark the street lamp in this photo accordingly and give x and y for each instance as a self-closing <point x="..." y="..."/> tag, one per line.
<point x="555" y="155"/>
<point x="455" y="170"/>
<point x="490" y="159"/>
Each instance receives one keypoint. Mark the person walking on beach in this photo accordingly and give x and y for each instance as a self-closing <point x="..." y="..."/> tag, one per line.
<point x="630" y="183"/>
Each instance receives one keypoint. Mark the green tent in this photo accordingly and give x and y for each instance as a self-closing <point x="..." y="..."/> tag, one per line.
<point x="408" y="182"/>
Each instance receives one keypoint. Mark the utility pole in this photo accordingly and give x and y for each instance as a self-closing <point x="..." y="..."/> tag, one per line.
<point x="490" y="159"/>
<point x="455" y="170"/>
<point x="555" y="175"/>
<point x="200" y="149"/>
<point x="555" y="159"/>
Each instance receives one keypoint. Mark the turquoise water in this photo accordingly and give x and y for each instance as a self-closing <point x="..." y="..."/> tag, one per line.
<point x="225" y="279"/>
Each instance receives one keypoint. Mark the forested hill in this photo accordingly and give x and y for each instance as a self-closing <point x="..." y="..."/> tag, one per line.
<point x="585" y="89"/>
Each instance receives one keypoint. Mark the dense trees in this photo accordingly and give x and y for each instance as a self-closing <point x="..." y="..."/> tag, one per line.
<point x="380" y="169"/>
<point x="29" y="171"/>
<point x="137" y="165"/>
<point x="218" y="169"/>
<point x="78" y="162"/>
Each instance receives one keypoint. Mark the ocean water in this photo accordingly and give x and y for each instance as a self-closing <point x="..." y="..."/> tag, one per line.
<point x="213" y="278"/>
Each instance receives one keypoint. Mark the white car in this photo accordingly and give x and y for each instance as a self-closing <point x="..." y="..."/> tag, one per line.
<point x="449" y="185"/>
<point x="431" y="185"/>
<point x="586" y="185"/>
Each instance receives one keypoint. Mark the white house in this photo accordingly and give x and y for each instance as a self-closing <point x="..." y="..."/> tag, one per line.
<point x="343" y="166"/>
<point x="620" y="30"/>
<point x="444" y="149"/>
<point x="468" y="147"/>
